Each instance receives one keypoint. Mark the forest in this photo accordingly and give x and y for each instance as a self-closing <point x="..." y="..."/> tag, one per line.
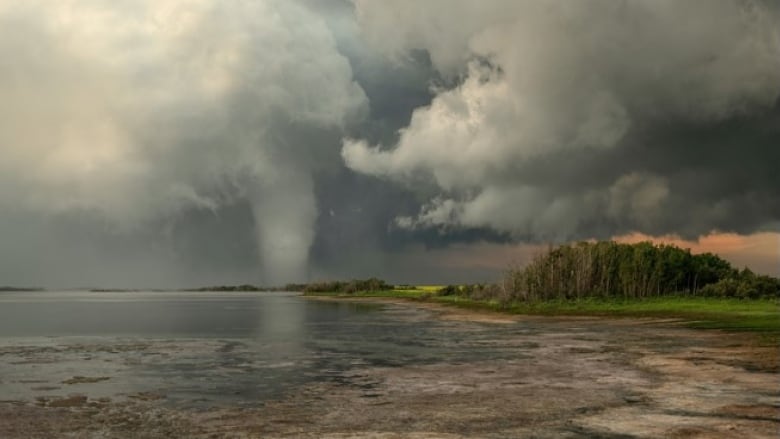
<point x="630" y="271"/>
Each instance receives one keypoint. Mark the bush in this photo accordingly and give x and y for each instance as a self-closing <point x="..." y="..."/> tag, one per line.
<point x="475" y="292"/>
<point x="449" y="290"/>
<point x="745" y="286"/>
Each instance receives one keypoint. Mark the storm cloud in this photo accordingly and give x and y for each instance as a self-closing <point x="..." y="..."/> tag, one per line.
<point x="181" y="143"/>
<point x="586" y="119"/>
<point x="137" y="111"/>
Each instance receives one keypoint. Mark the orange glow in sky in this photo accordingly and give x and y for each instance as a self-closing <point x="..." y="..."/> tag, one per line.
<point x="759" y="251"/>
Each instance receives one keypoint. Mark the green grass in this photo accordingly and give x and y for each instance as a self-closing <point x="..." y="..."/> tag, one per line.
<point x="707" y="313"/>
<point x="428" y="288"/>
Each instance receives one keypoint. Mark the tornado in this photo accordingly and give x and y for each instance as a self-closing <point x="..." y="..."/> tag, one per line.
<point x="285" y="211"/>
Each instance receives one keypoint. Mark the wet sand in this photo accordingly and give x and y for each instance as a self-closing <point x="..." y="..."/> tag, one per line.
<point x="578" y="377"/>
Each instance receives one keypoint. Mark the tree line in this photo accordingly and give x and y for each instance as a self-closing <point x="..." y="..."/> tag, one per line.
<point x="629" y="271"/>
<point x="348" y="287"/>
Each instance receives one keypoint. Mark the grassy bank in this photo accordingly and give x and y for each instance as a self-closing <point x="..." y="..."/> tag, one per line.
<point x="711" y="313"/>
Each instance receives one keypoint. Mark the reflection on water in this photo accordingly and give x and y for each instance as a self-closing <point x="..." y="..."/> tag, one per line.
<point x="212" y="348"/>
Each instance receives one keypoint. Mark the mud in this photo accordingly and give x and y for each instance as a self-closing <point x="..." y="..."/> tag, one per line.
<point x="576" y="378"/>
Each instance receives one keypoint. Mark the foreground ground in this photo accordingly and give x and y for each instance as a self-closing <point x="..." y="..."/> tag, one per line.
<point x="579" y="377"/>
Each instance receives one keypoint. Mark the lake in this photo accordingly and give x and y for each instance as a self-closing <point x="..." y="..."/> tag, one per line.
<point x="211" y="365"/>
<point x="209" y="349"/>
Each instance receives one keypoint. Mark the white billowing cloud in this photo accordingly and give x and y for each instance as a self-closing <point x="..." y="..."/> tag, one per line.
<point x="544" y="78"/>
<point x="537" y="211"/>
<point x="137" y="110"/>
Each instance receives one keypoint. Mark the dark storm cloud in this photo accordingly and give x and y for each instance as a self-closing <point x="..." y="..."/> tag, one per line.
<point x="586" y="119"/>
<point x="720" y="175"/>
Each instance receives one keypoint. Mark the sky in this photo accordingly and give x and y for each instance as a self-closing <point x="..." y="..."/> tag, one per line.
<point x="173" y="143"/>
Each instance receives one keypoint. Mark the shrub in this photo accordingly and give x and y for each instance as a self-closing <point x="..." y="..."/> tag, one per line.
<point x="746" y="286"/>
<point x="449" y="290"/>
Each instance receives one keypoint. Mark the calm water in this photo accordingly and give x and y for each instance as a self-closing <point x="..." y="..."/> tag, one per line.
<point x="207" y="349"/>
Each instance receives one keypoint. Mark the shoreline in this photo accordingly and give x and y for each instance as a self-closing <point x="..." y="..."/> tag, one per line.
<point x="573" y="377"/>
<point x="448" y="312"/>
<point x="761" y="317"/>
<point x="763" y="350"/>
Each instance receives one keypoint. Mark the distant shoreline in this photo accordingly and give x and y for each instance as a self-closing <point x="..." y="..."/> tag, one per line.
<point x="18" y="289"/>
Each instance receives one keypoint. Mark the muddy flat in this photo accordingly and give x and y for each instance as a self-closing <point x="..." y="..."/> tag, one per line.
<point x="397" y="370"/>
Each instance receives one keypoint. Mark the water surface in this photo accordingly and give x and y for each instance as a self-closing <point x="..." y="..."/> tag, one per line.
<point x="206" y="349"/>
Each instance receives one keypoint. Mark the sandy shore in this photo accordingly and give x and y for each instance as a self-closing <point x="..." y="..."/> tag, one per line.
<point x="580" y="377"/>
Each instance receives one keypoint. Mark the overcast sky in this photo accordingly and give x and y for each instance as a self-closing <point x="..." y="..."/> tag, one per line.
<point x="172" y="143"/>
